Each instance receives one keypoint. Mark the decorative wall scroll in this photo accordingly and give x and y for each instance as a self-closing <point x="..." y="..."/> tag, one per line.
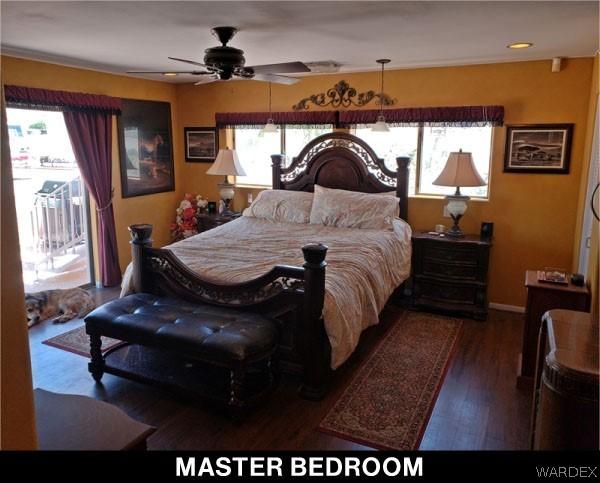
<point x="342" y="95"/>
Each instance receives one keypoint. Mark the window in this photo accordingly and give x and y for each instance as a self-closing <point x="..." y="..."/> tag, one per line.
<point x="428" y="148"/>
<point x="254" y="149"/>
<point x="439" y="142"/>
<point x="296" y="137"/>
<point x="400" y="141"/>
<point x="50" y="201"/>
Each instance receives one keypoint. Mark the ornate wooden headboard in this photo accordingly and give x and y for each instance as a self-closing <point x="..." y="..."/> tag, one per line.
<point x="342" y="161"/>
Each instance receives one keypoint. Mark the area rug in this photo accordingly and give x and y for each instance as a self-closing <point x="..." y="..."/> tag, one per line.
<point x="388" y="402"/>
<point x="78" y="342"/>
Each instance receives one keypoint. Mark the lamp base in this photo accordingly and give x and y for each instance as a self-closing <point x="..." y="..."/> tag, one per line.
<point x="226" y="210"/>
<point x="456" y="207"/>
<point x="226" y="192"/>
<point x="455" y="231"/>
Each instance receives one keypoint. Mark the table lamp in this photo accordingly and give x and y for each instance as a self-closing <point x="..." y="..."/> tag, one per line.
<point x="226" y="164"/>
<point x="459" y="171"/>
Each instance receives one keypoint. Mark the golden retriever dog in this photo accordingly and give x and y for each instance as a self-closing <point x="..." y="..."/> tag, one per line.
<point x="63" y="305"/>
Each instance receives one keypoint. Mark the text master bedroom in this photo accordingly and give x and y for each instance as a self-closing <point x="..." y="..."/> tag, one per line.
<point x="300" y="226"/>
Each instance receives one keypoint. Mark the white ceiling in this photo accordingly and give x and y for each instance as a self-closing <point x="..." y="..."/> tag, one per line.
<point x="120" y="36"/>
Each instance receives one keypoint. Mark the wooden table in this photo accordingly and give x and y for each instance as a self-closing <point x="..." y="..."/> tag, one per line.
<point x="541" y="297"/>
<point x="72" y="422"/>
<point x="208" y="221"/>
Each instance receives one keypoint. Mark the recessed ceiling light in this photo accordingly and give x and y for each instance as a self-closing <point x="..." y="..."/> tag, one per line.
<point x="170" y="73"/>
<point x="519" y="45"/>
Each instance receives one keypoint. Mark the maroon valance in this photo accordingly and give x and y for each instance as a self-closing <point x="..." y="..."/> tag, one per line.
<point x="259" y="119"/>
<point x="44" y="99"/>
<point x="428" y="116"/>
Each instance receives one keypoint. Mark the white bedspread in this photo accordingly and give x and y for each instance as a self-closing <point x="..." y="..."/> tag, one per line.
<point x="363" y="266"/>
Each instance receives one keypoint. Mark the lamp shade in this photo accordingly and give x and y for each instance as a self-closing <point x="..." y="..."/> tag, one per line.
<point x="459" y="171"/>
<point x="380" y="125"/>
<point x="269" y="127"/>
<point x="227" y="163"/>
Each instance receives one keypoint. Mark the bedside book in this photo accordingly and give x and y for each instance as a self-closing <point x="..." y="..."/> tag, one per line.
<point x="553" y="275"/>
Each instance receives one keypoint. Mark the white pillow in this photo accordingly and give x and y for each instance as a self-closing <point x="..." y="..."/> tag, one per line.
<point x="351" y="209"/>
<point x="281" y="206"/>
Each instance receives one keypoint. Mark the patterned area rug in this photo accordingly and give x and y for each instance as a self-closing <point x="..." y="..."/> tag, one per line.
<point x="78" y="342"/>
<point x="389" y="401"/>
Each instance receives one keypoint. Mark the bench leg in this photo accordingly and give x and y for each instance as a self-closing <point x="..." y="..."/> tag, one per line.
<point x="236" y="385"/>
<point x="96" y="366"/>
<point x="273" y="370"/>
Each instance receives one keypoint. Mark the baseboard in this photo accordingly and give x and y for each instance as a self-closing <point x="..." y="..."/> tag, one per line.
<point x="507" y="308"/>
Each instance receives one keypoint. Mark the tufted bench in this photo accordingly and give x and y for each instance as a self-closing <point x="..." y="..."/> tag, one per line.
<point x="217" y="336"/>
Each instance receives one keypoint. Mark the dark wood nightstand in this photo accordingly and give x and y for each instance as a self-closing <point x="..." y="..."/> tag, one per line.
<point x="541" y="297"/>
<point x="208" y="221"/>
<point x="449" y="275"/>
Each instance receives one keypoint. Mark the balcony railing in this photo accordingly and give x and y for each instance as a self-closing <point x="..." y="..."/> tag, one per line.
<point x="58" y="219"/>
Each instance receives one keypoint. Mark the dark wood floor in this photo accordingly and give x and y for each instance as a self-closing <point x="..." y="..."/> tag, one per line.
<point x="479" y="406"/>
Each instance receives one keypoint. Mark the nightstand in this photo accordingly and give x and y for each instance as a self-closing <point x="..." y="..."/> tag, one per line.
<point x="541" y="297"/>
<point x="449" y="275"/>
<point x="208" y="221"/>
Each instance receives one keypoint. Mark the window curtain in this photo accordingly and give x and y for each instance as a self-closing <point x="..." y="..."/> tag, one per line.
<point x="429" y="116"/>
<point x="88" y="119"/>
<point x="90" y="133"/>
<point x="259" y="119"/>
<point x="48" y="100"/>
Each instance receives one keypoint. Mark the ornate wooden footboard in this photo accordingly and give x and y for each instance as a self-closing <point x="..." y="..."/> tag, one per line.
<point x="292" y="295"/>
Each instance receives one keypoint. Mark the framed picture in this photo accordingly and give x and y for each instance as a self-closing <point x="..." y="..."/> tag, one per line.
<point x="145" y="147"/>
<point x="538" y="148"/>
<point x="201" y="144"/>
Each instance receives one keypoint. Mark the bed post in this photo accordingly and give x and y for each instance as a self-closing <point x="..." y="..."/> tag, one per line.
<point x="402" y="185"/>
<point x="277" y="164"/>
<point x="316" y="350"/>
<point x="140" y="239"/>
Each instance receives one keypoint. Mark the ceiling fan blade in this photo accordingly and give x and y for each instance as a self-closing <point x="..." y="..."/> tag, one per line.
<point x="206" y="81"/>
<point x="193" y="62"/>
<point x="192" y="72"/>
<point x="276" y="79"/>
<point x="284" y="68"/>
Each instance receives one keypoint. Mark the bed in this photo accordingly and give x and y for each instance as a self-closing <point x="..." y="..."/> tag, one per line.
<point x="324" y="284"/>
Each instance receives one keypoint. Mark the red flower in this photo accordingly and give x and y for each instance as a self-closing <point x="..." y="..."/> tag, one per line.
<point x="189" y="213"/>
<point x="188" y="226"/>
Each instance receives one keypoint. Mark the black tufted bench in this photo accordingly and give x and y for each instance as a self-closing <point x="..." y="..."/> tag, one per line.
<point x="233" y="340"/>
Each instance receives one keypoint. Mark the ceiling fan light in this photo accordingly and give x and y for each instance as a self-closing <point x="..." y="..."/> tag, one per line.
<point x="269" y="127"/>
<point x="170" y="74"/>
<point x="380" y="125"/>
<point x="520" y="45"/>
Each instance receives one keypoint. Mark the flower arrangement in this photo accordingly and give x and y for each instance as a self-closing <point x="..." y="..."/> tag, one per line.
<point x="186" y="224"/>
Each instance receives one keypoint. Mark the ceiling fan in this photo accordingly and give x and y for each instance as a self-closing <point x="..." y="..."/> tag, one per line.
<point x="224" y="62"/>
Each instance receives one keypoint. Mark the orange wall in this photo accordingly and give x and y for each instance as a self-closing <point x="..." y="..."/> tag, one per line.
<point x="534" y="215"/>
<point x="157" y="209"/>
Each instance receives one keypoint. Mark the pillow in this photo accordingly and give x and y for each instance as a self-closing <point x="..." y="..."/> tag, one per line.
<point x="281" y="206"/>
<point x="351" y="209"/>
<point x="387" y="193"/>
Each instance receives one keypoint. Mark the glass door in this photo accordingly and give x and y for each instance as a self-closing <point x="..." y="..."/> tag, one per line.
<point x="51" y="202"/>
